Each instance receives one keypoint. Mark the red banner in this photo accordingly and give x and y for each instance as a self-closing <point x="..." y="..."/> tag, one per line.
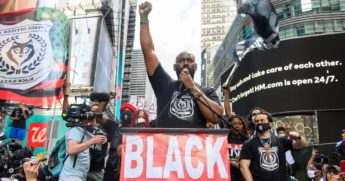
<point x="148" y="157"/>
<point x="37" y="135"/>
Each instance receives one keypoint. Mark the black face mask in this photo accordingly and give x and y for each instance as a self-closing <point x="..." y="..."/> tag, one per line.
<point x="191" y="71"/>
<point x="262" y="127"/>
<point x="126" y="117"/>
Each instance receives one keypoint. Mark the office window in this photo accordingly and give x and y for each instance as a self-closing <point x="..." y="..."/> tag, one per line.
<point x="319" y="28"/>
<point x="309" y="28"/>
<point x="328" y="26"/>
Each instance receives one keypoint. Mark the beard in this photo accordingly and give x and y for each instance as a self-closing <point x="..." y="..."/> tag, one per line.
<point x="191" y="71"/>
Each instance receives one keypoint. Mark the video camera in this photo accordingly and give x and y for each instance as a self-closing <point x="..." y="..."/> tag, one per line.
<point x="77" y="113"/>
<point x="12" y="157"/>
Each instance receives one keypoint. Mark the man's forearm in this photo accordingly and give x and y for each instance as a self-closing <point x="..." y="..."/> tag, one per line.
<point x="206" y="112"/>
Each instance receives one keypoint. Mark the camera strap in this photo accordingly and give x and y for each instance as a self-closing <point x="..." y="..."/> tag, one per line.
<point x="82" y="139"/>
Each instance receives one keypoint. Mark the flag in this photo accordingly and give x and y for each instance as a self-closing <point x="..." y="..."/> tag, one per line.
<point x="266" y="27"/>
<point x="33" y="55"/>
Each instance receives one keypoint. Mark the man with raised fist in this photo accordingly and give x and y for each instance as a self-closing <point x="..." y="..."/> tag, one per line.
<point x="182" y="103"/>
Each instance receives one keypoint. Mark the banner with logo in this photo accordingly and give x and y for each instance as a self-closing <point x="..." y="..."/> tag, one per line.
<point x="171" y="156"/>
<point x="33" y="54"/>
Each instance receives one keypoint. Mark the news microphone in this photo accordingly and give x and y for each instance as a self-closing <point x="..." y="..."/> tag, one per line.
<point x="99" y="97"/>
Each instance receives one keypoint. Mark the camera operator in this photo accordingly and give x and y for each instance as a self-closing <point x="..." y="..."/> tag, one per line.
<point x="19" y="117"/>
<point x="99" y="152"/>
<point x="79" y="140"/>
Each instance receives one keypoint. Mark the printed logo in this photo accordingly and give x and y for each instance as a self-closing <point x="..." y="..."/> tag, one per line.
<point x="269" y="162"/>
<point x="37" y="134"/>
<point x="26" y="57"/>
<point x="182" y="108"/>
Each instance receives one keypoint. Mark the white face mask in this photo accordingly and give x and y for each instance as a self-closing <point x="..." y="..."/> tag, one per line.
<point x="311" y="174"/>
<point x="281" y="135"/>
<point x="141" y="120"/>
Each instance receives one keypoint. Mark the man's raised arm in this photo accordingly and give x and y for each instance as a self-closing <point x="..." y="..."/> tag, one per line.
<point x="151" y="60"/>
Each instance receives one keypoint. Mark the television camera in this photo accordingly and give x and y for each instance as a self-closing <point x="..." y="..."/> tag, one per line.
<point x="12" y="157"/>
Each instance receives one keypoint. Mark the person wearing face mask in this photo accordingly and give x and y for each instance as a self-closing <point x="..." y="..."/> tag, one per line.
<point x="251" y="119"/>
<point x="262" y="158"/>
<point x="180" y="103"/>
<point x="314" y="170"/>
<point x="288" y="155"/>
<point x="140" y="119"/>
<point x="112" y="169"/>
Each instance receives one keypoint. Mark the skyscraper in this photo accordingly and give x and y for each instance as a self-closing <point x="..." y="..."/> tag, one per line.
<point x="216" y="19"/>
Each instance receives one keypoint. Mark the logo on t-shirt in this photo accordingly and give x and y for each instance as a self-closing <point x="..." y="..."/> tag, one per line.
<point x="269" y="161"/>
<point x="182" y="108"/>
<point x="234" y="151"/>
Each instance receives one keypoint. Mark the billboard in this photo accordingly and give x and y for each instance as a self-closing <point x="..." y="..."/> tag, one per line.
<point x="303" y="74"/>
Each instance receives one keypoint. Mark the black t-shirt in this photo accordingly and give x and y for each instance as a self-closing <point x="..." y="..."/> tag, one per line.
<point x="98" y="152"/>
<point x="262" y="169"/>
<point x="21" y="122"/>
<point x="174" y="112"/>
<point x="235" y="147"/>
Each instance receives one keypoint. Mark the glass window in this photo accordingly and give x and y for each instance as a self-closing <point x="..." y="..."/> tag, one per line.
<point x="290" y="32"/>
<point x="309" y="28"/>
<point x="338" y="25"/>
<point x="342" y="5"/>
<point x="300" y="29"/>
<point x="305" y="125"/>
<point x="316" y="5"/>
<point x="328" y="26"/>
<point x="319" y="28"/>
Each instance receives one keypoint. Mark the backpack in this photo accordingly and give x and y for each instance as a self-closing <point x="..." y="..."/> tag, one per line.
<point x="58" y="157"/>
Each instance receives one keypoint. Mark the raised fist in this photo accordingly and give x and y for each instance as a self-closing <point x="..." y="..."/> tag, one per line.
<point x="145" y="9"/>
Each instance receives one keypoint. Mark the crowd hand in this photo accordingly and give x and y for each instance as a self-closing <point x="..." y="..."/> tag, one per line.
<point x="315" y="152"/>
<point x="31" y="170"/>
<point x="145" y="9"/>
<point x="112" y="95"/>
<point x="99" y="139"/>
<point x="186" y="79"/>
<point x="22" y="107"/>
<point x="293" y="135"/>
<point x="225" y="88"/>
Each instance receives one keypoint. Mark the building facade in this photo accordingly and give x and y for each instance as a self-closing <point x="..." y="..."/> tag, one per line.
<point x="216" y="18"/>
<point x="300" y="18"/>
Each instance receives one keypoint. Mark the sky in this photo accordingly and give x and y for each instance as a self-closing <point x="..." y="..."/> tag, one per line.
<point x="175" y="27"/>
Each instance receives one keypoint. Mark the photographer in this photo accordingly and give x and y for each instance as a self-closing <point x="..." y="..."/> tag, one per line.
<point x="79" y="140"/>
<point x="19" y="117"/>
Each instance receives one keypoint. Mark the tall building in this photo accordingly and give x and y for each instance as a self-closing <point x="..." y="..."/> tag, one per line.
<point x="216" y="18"/>
<point x="128" y="63"/>
<point x="138" y="75"/>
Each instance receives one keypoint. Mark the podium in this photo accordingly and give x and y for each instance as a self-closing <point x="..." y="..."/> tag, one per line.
<point x="151" y="154"/>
